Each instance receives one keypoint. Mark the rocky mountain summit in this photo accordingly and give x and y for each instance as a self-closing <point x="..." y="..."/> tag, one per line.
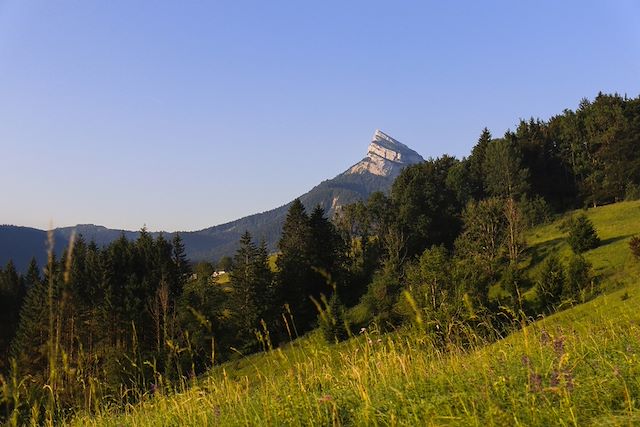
<point x="386" y="157"/>
<point x="384" y="160"/>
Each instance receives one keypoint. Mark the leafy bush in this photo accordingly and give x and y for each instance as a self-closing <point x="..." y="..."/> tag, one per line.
<point x="634" y="245"/>
<point x="582" y="234"/>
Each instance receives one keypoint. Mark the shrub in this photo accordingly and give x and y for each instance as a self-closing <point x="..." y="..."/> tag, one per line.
<point x="634" y="245"/>
<point x="551" y="283"/>
<point x="582" y="235"/>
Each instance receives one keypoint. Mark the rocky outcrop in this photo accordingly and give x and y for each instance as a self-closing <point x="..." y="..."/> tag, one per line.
<point x="385" y="157"/>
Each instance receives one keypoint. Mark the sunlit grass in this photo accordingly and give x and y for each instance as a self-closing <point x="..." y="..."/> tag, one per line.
<point x="615" y="225"/>
<point x="578" y="367"/>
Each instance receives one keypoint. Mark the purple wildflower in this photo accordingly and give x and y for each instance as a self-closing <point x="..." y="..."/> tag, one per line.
<point x="558" y="346"/>
<point x="544" y="336"/>
<point x="535" y="381"/>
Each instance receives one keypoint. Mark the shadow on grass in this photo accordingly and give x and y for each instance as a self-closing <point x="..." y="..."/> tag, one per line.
<point x="541" y="251"/>
<point x="614" y="239"/>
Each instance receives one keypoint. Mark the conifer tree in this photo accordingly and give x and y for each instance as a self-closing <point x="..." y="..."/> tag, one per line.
<point x="250" y="282"/>
<point x="265" y="298"/>
<point x="551" y="283"/>
<point x="29" y="347"/>
<point x="582" y="234"/>
<point x="332" y="320"/>
<point x="294" y="266"/>
<point x="327" y="254"/>
<point x="11" y="296"/>
<point x="181" y="265"/>
<point x="476" y="165"/>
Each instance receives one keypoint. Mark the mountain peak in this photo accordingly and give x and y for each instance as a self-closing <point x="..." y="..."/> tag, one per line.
<point x="379" y="136"/>
<point x="386" y="156"/>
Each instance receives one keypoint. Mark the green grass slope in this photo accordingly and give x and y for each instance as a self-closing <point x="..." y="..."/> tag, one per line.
<point x="612" y="261"/>
<point x="578" y="367"/>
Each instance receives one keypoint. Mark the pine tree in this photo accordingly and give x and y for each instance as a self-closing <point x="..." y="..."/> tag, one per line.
<point x="332" y="320"/>
<point x="551" y="283"/>
<point x="181" y="265"/>
<point x="11" y="297"/>
<point x="265" y="297"/>
<point x="578" y="277"/>
<point x="294" y="266"/>
<point x="327" y="254"/>
<point x="582" y="235"/>
<point x="29" y="347"/>
<point x="476" y="165"/>
<point x="251" y="288"/>
<point x="32" y="278"/>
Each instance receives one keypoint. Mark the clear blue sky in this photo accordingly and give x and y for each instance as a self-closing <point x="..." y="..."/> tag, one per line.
<point x="186" y="114"/>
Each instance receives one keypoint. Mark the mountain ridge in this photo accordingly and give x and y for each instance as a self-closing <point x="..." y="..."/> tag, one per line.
<point x="383" y="162"/>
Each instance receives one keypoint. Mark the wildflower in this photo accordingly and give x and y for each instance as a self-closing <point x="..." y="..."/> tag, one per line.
<point x="535" y="381"/>
<point x="544" y="336"/>
<point x="363" y="330"/>
<point x="153" y="388"/>
<point x="558" y="346"/>
<point x="568" y="379"/>
<point x="526" y="361"/>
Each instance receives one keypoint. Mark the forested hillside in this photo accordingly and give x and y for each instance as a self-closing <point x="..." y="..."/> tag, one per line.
<point x="456" y="250"/>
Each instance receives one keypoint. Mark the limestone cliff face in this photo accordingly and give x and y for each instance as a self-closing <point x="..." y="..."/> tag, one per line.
<point x="385" y="157"/>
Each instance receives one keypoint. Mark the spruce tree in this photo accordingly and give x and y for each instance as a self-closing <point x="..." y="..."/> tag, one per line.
<point x="327" y="254"/>
<point x="582" y="235"/>
<point x="578" y="277"/>
<point x="250" y="283"/>
<point x="11" y="296"/>
<point x="551" y="283"/>
<point x="295" y="271"/>
<point x="29" y="347"/>
<point x="265" y="297"/>
<point x="181" y="265"/>
<point x="476" y="165"/>
<point x="332" y="320"/>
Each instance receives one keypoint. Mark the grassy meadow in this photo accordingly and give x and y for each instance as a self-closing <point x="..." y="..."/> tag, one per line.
<point x="578" y="367"/>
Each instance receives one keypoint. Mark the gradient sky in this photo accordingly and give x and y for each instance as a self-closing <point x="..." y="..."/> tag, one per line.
<point x="186" y="114"/>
